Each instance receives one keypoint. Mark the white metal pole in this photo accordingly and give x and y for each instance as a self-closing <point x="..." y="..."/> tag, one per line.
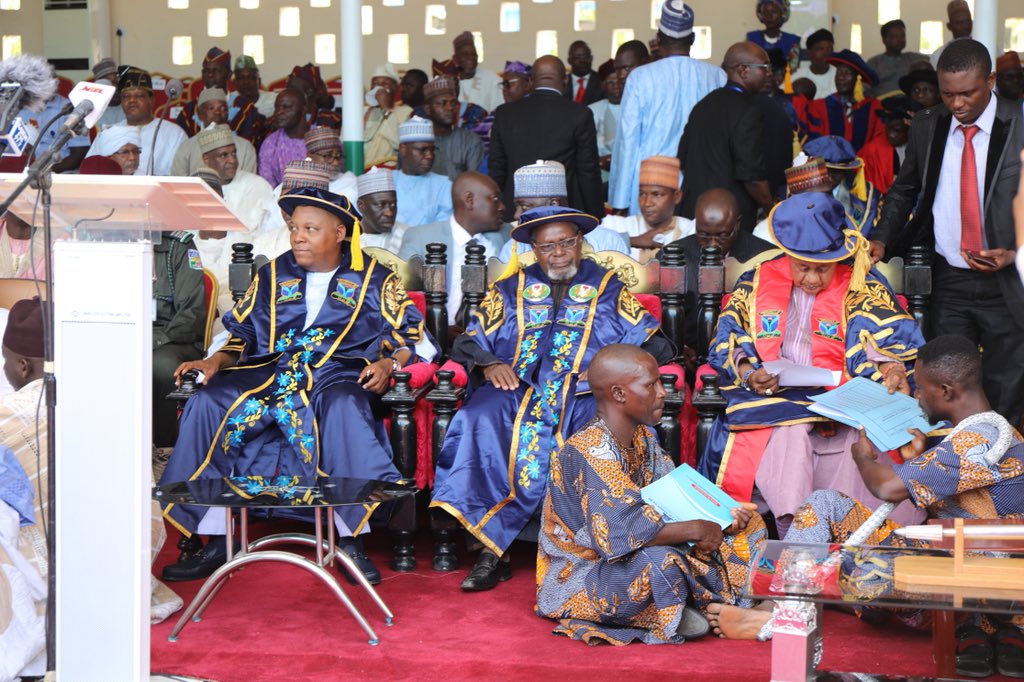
<point x="352" y="83"/>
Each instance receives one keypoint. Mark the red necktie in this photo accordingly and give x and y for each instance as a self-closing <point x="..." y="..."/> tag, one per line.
<point x="579" y="91"/>
<point x="970" y="207"/>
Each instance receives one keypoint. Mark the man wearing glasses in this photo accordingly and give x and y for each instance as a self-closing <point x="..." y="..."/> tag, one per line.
<point x="527" y="351"/>
<point x="722" y="143"/>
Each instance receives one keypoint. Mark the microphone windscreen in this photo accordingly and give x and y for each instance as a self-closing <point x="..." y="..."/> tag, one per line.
<point x="173" y="89"/>
<point x="36" y="77"/>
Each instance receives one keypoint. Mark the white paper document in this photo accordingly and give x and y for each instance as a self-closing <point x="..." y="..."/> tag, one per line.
<point x="792" y="374"/>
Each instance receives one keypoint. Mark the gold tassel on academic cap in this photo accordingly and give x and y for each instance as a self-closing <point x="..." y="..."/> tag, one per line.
<point x="860" y="184"/>
<point x="513" y="264"/>
<point x="355" y="248"/>
<point x="787" y="82"/>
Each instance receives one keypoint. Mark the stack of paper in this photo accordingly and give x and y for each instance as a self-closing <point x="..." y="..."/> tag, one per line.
<point x="884" y="416"/>
<point x="685" y="495"/>
<point x="792" y="374"/>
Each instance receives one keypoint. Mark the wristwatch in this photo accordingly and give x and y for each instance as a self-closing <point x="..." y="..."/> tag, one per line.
<point x="746" y="375"/>
<point x="395" y="364"/>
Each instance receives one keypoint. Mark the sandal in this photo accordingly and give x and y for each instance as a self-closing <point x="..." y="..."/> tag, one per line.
<point x="973" y="652"/>
<point x="1009" y="652"/>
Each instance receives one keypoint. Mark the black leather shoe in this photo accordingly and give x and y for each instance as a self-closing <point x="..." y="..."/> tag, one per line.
<point x="354" y="548"/>
<point x="199" y="565"/>
<point x="488" y="572"/>
<point x="189" y="546"/>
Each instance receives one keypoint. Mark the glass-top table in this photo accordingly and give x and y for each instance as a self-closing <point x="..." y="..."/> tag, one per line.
<point x="243" y="493"/>
<point x="801" y="578"/>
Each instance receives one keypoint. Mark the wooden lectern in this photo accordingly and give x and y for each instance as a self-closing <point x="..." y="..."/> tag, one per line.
<point x="103" y="307"/>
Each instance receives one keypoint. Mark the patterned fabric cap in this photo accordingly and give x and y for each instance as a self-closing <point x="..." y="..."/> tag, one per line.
<point x="676" y="19"/>
<point x="662" y="171"/>
<point x="214" y="138"/>
<point x="442" y="85"/>
<point x="305" y="173"/>
<point x="464" y="38"/>
<point x="104" y="68"/>
<point x="134" y="77"/>
<point x="541" y="179"/>
<point x="211" y="95"/>
<point x="517" y="67"/>
<point x="416" y="129"/>
<point x="210" y="177"/>
<point x="310" y="73"/>
<point x="244" y="61"/>
<point x="375" y="180"/>
<point x="783" y="7"/>
<point x="322" y="139"/>
<point x="215" y="55"/>
<point x="807" y="176"/>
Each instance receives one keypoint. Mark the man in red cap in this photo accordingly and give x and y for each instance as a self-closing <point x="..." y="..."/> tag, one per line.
<point x="243" y="116"/>
<point x="846" y="113"/>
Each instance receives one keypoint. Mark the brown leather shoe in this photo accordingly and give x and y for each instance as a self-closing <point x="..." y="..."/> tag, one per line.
<point x="487" y="573"/>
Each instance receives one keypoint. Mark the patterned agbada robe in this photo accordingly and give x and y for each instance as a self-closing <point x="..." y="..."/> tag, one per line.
<point x="969" y="474"/>
<point x="292" y="406"/>
<point x="595" y="574"/>
<point x="847" y="328"/>
<point x="493" y="463"/>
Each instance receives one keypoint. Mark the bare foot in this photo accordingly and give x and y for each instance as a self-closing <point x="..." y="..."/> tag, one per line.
<point x="733" y="622"/>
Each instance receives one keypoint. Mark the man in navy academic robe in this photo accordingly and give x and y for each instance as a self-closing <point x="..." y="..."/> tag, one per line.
<point x="532" y="340"/>
<point x="294" y="390"/>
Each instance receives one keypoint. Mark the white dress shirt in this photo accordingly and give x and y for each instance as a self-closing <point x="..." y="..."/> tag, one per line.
<point x="460" y="240"/>
<point x="946" y="207"/>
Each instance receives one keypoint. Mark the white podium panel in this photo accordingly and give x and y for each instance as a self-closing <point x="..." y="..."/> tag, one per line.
<point x="103" y="367"/>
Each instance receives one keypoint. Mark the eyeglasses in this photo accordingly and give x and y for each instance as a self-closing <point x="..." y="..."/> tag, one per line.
<point x="720" y="237"/>
<point x="551" y="247"/>
<point x="333" y="156"/>
<point x="766" y="67"/>
<point x="510" y="83"/>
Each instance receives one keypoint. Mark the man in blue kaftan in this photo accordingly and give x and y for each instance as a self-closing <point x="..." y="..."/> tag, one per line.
<point x="532" y="339"/>
<point x="294" y="391"/>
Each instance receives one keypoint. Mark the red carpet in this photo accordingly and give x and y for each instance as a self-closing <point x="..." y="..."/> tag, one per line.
<point x="277" y="622"/>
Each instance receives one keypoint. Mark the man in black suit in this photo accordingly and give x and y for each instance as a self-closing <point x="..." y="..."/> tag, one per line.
<point x="721" y="145"/>
<point x="545" y="125"/>
<point x="583" y="86"/>
<point x="976" y="291"/>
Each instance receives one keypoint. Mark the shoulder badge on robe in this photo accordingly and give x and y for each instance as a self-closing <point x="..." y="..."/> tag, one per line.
<point x="345" y="291"/>
<point x="769" y="324"/>
<point x="581" y="293"/>
<point x="828" y="329"/>
<point x="492" y="310"/>
<point x="536" y="316"/>
<point x="394" y="299"/>
<point x="629" y="308"/>
<point x="537" y="291"/>
<point x="289" y="291"/>
<point x="194" y="261"/>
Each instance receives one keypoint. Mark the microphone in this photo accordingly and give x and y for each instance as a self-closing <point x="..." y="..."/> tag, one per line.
<point x="173" y="89"/>
<point x="90" y="100"/>
<point x="34" y="75"/>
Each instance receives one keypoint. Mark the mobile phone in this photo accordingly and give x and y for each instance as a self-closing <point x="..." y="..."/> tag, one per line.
<point x="366" y="378"/>
<point x="984" y="260"/>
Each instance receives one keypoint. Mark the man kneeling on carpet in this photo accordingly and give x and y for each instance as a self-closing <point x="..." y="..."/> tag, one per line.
<point x="295" y="390"/>
<point x="608" y="566"/>
<point x="974" y="472"/>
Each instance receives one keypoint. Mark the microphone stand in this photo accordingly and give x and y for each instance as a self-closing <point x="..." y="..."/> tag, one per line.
<point x="40" y="175"/>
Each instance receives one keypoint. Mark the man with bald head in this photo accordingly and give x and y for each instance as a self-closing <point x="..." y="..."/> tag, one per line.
<point x="476" y="218"/>
<point x="718" y="220"/>
<point x="601" y="543"/>
<point x="527" y="352"/>
<point x="547" y="125"/>
<point x="721" y="146"/>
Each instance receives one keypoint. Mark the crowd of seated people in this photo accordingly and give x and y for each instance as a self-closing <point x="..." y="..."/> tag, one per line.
<point x="560" y="358"/>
